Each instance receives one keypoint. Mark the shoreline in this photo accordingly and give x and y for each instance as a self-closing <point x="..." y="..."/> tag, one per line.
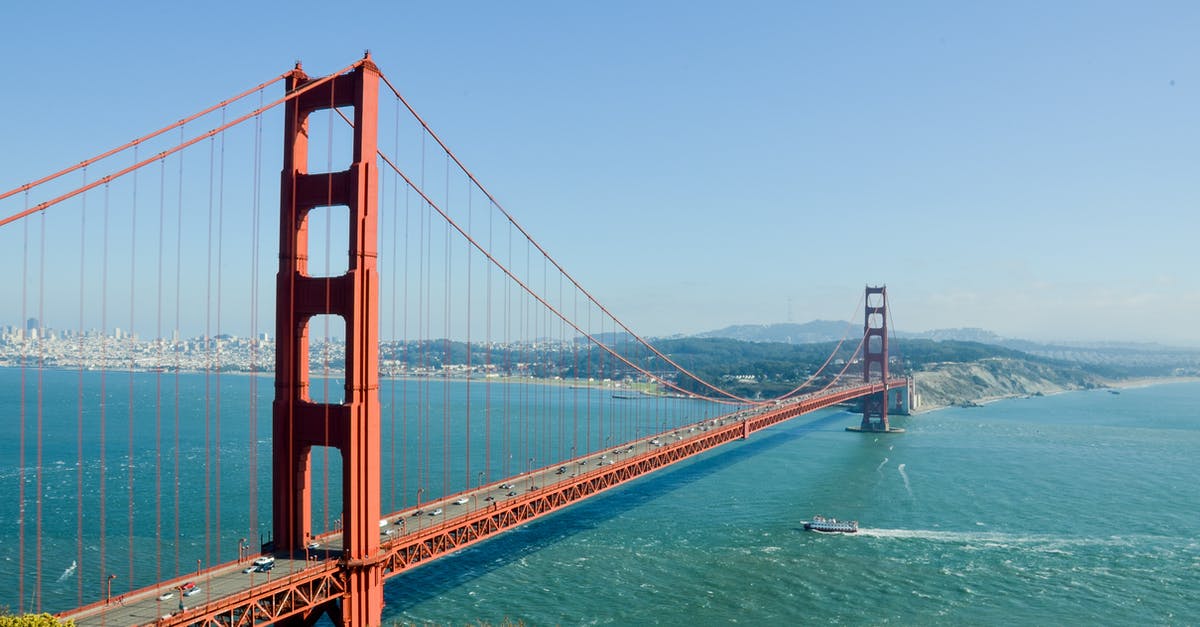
<point x="1119" y="384"/>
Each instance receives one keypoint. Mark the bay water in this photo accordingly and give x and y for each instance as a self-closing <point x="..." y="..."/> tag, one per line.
<point x="1078" y="508"/>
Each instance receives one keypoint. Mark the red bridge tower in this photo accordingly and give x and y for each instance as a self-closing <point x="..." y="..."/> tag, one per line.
<point x="351" y="427"/>
<point x="875" y="363"/>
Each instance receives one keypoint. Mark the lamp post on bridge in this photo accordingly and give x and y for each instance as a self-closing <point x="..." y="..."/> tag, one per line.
<point x="108" y="591"/>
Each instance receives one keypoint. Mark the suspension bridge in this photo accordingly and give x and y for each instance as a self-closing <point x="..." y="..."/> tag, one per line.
<point x="436" y="376"/>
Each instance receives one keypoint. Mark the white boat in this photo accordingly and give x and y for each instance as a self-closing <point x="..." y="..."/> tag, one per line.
<point x="831" y="525"/>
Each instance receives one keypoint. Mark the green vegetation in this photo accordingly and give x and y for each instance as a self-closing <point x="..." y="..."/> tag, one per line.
<point x="33" y="620"/>
<point x="748" y="369"/>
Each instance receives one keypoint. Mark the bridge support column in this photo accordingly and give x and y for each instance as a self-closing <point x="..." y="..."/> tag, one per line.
<point x="900" y="400"/>
<point x="353" y="426"/>
<point x="875" y="362"/>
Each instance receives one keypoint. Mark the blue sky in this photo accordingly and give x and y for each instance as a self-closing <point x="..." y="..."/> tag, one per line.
<point x="1029" y="168"/>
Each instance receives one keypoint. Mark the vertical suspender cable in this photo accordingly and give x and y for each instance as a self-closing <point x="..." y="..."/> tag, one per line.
<point x="325" y="319"/>
<point x="427" y="333"/>
<point x="605" y="372"/>
<point x="21" y="417"/>
<point x="158" y="334"/>
<point x="256" y="233"/>
<point x="561" y="370"/>
<point x="506" y="426"/>
<point x="208" y="362"/>
<point x="41" y="339"/>
<point x="103" y="387"/>
<point x="487" y="381"/>
<point x="467" y="472"/>
<point x="79" y="467"/>
<point x="523" y="331"/>
<point x="587" y="432"/>
<point x="394" y="338"/>
<point x="217" y="375"/>
<point x="544" y="337"/>
<point x="575" y="376"/>
<point x="487" y="359"/>
<point x="406" y="359"/>
<point x="130" y="343"/>
<point x="176" y="538"/>
<point x="422" y="382"/>
<point x="448" y="358"/>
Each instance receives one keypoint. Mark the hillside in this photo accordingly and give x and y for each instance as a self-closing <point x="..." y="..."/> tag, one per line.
<point x="946" y="372"/>
<point x="966" y="383"/>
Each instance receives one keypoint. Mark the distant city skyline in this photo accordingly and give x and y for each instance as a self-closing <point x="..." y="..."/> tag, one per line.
<point x="1024" y="168"/>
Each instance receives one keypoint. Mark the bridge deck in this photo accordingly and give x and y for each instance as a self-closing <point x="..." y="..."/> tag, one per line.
<point x="298" y="582"/>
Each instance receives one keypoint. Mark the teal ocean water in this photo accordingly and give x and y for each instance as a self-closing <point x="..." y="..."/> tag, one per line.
<point x="1079" y="508"/>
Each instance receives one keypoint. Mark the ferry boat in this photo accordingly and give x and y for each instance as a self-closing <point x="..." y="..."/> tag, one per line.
<point x="831" y="525"/>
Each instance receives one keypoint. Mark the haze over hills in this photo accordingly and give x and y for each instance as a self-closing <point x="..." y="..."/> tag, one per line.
<point x="834" y="330"/>
<point x="1112" y="352"/>
<point x="969" y="365"/>
<point x="788" y="332"/>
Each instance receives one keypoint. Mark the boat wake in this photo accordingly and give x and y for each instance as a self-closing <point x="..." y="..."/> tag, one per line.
<point x="905" y="476"/>
<point x="994" y="539"/>
<point x="67" y="573"/>
<point x="878" y="468"/>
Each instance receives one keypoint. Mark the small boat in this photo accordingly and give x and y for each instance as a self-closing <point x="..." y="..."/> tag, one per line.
<point x="831" y="525"/>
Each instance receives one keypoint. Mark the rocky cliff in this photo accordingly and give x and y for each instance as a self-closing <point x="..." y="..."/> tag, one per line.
<point x="946" y="384"/>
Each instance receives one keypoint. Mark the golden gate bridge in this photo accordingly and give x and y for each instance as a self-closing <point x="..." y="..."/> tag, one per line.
<point x="437" y="377"/>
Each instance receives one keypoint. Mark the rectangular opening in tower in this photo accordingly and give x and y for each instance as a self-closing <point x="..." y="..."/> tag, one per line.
<point x="327" y="359"/>
<point x="328" y="240"/>
<point x="326" y="489"/>
<point x="330" y="140"/>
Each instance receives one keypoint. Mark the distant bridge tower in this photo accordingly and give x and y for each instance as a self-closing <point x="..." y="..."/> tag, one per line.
<point x="875" y="362"/>
<point x="352" y="426"/>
